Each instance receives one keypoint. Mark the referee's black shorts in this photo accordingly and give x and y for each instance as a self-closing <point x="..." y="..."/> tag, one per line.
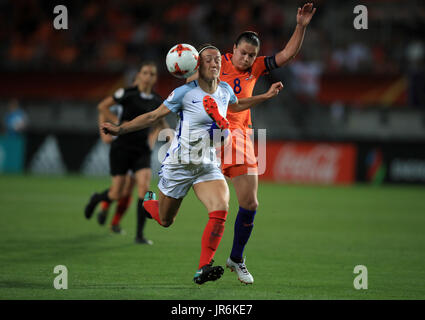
<point x="122" y="159"/>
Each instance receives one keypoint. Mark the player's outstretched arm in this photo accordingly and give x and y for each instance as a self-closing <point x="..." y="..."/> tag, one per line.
<point x="246" y="103"/>
<point x="138" y="123"/>
<point x="292" y="48"/>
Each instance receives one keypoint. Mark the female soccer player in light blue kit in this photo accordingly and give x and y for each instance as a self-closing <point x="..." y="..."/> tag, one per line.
<point x="191" y="161"/>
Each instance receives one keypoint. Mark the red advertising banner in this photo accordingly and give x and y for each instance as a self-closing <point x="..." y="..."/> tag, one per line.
<point x="308" y="162"/>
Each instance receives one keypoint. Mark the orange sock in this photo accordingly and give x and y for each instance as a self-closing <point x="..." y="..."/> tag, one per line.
<point x="152" y="207"/>
<point x="212" y="235"/>
<point x="105" y="205"/>
<point x="122" y="207"/>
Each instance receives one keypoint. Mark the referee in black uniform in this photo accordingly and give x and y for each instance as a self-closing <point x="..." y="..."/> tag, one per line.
<point x="132" y="151"/>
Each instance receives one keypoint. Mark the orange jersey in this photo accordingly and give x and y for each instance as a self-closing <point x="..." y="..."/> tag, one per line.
<point x="243" y="83"/>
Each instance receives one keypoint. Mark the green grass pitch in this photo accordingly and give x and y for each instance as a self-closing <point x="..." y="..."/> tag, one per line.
<point x="305" y="244"/>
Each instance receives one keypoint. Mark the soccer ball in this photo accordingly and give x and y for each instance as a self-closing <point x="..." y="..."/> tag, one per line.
<point x="182" y="60"/>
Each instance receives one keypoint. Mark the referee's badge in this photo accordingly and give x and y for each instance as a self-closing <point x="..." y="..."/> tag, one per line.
<point x="119" y="93"/>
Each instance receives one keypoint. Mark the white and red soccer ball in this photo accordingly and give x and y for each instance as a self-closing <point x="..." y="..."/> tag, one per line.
<point x="182" y="60"/>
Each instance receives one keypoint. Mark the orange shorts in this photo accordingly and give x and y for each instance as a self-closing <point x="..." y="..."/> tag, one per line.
<point x="238" y="158"/>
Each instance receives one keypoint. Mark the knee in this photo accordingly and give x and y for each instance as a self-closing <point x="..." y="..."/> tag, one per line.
<point x="115" y="194"/>
<point x="220" y="206"/>
<point x="126" y="195"/>
<point x="166" y="222"/>
<point x="224" y="206"/>
<point x="126" y="192"/>
<point x="250" y="205"/>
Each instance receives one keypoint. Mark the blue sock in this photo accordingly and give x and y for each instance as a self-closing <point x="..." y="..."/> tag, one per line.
<point x="243" y="227"/>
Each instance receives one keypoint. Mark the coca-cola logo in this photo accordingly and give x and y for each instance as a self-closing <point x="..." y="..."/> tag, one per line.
<point x="307" y="163"/>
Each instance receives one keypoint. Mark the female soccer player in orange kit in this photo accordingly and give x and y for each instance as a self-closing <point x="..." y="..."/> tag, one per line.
<point x="241" y="71"/>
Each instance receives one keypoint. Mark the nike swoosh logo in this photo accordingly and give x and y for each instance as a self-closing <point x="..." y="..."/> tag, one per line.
<point x="193" y="101"/>
<point x="224" y="74"/>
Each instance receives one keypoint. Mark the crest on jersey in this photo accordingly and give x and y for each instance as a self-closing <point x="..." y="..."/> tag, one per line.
<point x="223" y="100"/>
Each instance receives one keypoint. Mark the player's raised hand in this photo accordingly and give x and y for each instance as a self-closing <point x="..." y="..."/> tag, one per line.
<point x="274" y="89"/>
<point x="109" y="128"/>
<point x="305" y="14"/>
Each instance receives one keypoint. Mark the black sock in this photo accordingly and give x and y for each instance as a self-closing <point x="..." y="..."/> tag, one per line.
<point x="141" y="218"/>
<point x="103" y="196"/>
<point x="236" y="260"/>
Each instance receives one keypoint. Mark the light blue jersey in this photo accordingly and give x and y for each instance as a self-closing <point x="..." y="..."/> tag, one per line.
<point x="191" y="143"/>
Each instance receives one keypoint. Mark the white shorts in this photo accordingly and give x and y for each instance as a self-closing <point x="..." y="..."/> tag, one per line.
<point x="176" y="179"/>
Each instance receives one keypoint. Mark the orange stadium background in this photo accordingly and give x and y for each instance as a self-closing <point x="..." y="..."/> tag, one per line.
<point x="355" y="91"/>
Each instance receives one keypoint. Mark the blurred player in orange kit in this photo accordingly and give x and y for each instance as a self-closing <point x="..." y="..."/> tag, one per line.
<point x="241" y="71"/>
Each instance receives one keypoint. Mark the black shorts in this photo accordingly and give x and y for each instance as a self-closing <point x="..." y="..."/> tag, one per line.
<point x="122" y="159"/>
